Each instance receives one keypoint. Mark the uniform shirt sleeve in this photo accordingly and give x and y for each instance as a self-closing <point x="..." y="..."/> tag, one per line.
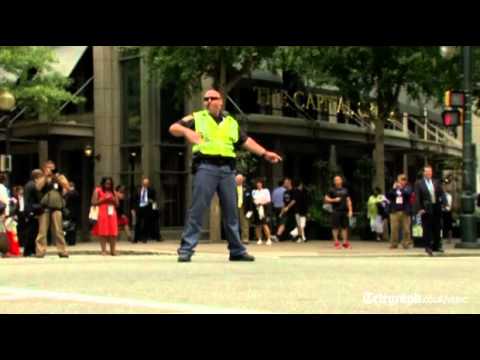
<point x="242" y="136"/>
<point x="187" y="121"/>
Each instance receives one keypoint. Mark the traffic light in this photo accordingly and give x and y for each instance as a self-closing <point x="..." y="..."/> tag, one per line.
<point x="453" y="117"/>
<point x="455" y="99"/>
<point x="454" y="113"/>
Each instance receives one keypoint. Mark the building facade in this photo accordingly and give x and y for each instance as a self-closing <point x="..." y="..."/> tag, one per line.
<point x="127" y="115"/>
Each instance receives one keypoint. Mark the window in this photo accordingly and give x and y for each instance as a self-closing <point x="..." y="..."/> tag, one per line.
<point x="131" y="172"/>
<point x="132" y="116"/>
<point x="172" y="158"/>
<point x="172" y="172"/>
<point x="171" y="111"/>
<point x="172" y="200"/>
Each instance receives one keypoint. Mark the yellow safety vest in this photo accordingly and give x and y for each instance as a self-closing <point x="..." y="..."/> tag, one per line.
<point x="217" y="139"/>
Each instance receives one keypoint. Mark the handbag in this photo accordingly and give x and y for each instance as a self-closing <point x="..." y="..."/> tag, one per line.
<point x="417" y="229"/>
<point x="93" y="215"/>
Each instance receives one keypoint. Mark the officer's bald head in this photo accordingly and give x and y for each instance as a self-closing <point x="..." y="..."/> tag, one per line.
<point x="213" y="102"/>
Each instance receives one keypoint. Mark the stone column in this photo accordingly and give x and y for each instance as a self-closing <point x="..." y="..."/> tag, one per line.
<point x="42" y="152"/>
<point x="107" y="113"/>
<point x="405" y="164"/>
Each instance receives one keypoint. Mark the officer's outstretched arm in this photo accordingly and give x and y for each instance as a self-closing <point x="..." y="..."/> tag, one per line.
<point x="255" y="148"/>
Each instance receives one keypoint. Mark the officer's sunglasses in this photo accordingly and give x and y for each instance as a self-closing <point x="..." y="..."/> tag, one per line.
<point x="212" y="98"/>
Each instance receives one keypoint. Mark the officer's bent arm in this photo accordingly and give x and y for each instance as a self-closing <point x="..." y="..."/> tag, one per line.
<point x="178" y="130"/>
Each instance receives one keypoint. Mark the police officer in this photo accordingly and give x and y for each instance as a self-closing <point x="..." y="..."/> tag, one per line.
<point x="215" y="136"/>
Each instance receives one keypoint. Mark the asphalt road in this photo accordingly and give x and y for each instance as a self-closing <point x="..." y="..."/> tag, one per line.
<point x="211" y="284"/>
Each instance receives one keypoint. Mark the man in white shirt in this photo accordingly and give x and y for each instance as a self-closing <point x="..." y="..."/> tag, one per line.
<point x="447" y="220"/>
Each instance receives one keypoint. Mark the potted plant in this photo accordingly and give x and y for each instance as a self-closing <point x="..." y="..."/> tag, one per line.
<point x="318" y="224"/>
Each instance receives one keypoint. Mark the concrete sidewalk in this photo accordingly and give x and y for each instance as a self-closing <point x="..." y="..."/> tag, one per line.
<point x="282" y="249"/>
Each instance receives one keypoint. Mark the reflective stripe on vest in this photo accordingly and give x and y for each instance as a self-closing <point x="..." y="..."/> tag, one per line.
<point x="218" y="139"/>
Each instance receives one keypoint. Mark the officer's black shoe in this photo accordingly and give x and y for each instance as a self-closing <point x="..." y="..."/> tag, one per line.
<point x="184" y="258"/>
<point x="429" y="251"/>
<point x="244" y="257"/>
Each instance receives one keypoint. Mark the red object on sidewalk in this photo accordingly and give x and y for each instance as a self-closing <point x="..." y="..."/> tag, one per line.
<point x="13" y="247"/>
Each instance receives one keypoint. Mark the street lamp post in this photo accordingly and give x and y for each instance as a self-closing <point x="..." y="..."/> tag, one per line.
<point x="468" y="224"/>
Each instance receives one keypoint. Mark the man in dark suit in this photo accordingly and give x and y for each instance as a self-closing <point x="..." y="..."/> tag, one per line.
<point x="429" y="198"/>
<point x="33" y="209"/>
<point x="145" y="206"/>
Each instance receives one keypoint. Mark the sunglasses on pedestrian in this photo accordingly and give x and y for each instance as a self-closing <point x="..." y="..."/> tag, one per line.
<point x="210" y="98"/>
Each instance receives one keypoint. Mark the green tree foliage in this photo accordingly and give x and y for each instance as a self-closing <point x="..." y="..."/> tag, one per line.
<point x="27" y="72"/>
<point x="186" y="65"/>
<point x="366" y="75"/>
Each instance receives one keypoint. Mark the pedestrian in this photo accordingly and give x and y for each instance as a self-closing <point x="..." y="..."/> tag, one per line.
<point x="429" y="195"/>
<point x="261" y="215"/>
<point x="4" y="195"/>
<point x="71" y="214"/>
<point x="341" y="202"/>
<point x="300" y="209"/>
<point x="33" y="209"/>
<point x="376" y="212"/>
<point x="447" y="218"/>
<point x="243" y="206"/>
<point x="286" y="214"/>
<point x="106" y="228"/>
<point x="53" y="204"/>
<point x="122" y="218"/>
<point x="215" y="136"/>
<point x="278" y="205"/>
<point x="145" y="203"/>
<point x="18" y="201"/>
<point x="400" y="212"/>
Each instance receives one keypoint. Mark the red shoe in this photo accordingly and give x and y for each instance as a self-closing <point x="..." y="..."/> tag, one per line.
<point x="337" y="245"/>
<point x="347" y="246"/>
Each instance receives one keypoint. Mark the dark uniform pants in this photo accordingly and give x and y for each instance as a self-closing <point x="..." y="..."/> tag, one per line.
<point x="208" y="180"/>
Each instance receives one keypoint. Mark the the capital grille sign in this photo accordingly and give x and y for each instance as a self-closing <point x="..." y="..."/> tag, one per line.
<point x="279" y="98"/>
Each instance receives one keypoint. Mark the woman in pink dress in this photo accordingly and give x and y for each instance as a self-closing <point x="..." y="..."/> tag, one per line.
<point x="106" y="228"/>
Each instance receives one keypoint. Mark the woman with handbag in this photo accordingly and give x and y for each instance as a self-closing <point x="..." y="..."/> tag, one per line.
<point x="106" y="227"/>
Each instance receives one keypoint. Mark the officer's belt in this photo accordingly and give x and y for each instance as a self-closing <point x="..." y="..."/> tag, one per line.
<point x="217" y="161"/>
